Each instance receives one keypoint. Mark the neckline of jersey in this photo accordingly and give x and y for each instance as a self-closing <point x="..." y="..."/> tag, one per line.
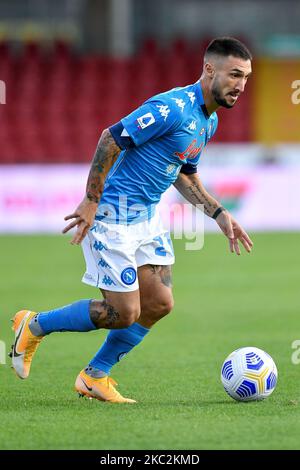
<point x="200" y="99"/>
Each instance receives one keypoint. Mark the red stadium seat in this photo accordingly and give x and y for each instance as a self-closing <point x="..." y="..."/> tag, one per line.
<point x="60" y="103"/>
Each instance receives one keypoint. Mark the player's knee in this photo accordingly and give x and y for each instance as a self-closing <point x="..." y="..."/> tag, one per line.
<point x="166" y="305"/>
<point x="162" y="307"/>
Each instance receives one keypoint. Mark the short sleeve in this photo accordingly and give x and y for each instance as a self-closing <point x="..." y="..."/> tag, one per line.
<point x="152" y="120"/>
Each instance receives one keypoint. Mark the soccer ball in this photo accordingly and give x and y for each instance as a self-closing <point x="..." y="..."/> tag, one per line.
<point x="249" y="374"/>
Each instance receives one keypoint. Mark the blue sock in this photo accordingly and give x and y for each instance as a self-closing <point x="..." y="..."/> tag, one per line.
<point x="117" y="344"/>
<point x="73" y="317"/>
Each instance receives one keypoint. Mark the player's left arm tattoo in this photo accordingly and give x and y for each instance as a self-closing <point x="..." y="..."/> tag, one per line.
<point x="192" y="189"/>
<point x="105" y="156"/>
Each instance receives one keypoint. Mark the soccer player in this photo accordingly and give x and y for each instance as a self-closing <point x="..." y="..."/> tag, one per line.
<point x="127" y="251"/>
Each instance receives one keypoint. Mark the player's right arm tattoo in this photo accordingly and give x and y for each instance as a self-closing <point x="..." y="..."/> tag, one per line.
<point x="194" y="192"/>
<point x="106" y="153"/>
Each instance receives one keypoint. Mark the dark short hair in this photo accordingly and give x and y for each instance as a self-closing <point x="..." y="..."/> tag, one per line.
<point x="226" y="46"/>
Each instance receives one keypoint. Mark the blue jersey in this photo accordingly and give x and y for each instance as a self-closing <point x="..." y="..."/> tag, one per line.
<point x="168" y="133"/>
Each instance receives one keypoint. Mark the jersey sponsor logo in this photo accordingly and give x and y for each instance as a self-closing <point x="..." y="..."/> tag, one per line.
<point x="190" y="152"/>
<point x="191" y="96"/>
<point x="180" y="103"/>
<point x="164" y="110"/>
<point x="128" y="276"/>
<point x="192" y="126"/>
<point x="146" y="120"/>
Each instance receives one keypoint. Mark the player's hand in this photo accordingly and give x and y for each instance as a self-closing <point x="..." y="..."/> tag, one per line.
<point x="234" y="233"/>
<point x="83" y="217"/>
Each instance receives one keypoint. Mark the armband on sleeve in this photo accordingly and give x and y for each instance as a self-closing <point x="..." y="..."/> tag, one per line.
<point x="121" y="136"/>
<point x="188" y="169"/>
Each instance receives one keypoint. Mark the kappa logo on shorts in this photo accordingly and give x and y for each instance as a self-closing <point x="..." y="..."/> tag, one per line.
<point x="99" y="246"/>
<point x="98" y="229"/>
<point x="103" y="263"/>
<point x="128" y="276"/>
<point x="107" y="281"/>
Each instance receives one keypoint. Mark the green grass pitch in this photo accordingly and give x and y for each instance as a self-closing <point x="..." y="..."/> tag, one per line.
<point x="222" y="302"/>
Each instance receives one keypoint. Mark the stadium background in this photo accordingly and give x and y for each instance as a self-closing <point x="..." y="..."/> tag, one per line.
<point x="70" y="68"/>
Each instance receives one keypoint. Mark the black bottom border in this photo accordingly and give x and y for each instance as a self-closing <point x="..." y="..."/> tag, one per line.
<point x="137" y="458"/>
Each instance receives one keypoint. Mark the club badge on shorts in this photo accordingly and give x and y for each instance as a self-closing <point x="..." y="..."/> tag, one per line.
<point x="128" y="276"/>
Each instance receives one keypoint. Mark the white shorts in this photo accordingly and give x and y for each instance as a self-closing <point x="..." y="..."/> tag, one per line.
<point x="113" y="252"/>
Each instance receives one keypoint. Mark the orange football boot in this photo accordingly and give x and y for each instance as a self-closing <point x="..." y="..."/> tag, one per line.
<point x="100" y="388"/>
<point x="25" y="344"/>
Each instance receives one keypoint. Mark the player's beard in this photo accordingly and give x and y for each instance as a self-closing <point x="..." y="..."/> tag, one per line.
<point x="216" y="92"/>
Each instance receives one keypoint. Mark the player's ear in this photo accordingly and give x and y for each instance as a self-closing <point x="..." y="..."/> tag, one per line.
<point x="209" y="69"/>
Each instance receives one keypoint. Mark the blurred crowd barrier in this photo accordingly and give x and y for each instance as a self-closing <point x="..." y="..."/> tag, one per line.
<point x="261" y="190"/>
